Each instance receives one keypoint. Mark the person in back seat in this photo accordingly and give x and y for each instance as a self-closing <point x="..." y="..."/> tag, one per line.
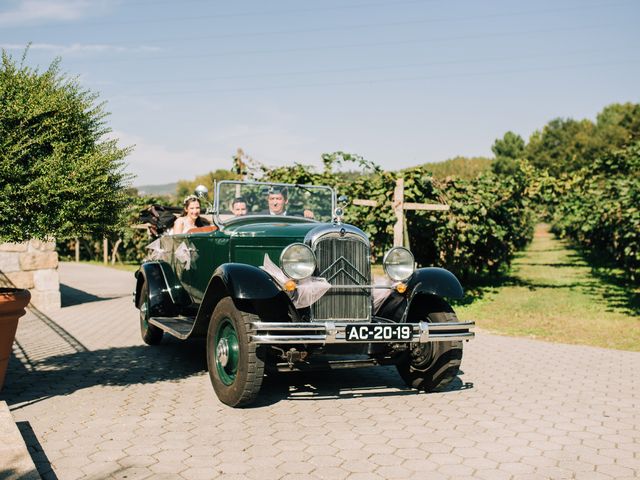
<point x="239" y="207"/>
<point x="190" y="217"/>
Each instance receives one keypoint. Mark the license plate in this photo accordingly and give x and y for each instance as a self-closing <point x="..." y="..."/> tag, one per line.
<point x="378" y="332"/>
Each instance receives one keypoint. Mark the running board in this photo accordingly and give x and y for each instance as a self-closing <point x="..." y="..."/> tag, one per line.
<point x="179" y="327"/>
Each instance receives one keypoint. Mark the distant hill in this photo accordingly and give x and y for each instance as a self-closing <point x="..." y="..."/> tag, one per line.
<point x="166" y="189"/>
<point x="461" y="167"/>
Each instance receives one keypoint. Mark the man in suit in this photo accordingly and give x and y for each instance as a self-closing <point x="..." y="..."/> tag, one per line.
<point x="278" y="202"/>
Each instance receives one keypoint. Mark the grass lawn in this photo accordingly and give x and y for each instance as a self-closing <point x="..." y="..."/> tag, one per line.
<point x="554" y="294"/>
<point x="377" y="271"/>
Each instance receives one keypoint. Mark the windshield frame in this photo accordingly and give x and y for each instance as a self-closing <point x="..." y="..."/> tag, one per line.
<point x="216" y="202"/>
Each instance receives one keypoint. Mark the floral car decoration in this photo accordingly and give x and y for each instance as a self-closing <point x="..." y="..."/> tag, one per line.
<point x="286" y="286"/>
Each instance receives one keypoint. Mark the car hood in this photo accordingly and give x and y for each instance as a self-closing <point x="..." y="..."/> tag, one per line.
<point x="272" y="230"/>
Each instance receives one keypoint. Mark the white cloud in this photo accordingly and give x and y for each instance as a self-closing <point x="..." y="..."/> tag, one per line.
<point x="27" y="12"/>
<point x="154" y="163"/>
<point x="79" y="48"/>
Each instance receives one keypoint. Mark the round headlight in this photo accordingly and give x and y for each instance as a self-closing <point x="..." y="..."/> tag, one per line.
<point x="298" y="261"/>
<point x="398" y="263"/>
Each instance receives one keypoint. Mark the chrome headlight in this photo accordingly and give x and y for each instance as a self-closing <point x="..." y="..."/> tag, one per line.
<point x="298" y="261"/>
<point x="398" y="263"/>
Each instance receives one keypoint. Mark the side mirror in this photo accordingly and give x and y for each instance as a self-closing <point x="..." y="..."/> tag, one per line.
<point x="202" y="191"/>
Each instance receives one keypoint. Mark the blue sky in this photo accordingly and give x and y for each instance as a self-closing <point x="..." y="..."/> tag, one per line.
<point x="399" y="82"/>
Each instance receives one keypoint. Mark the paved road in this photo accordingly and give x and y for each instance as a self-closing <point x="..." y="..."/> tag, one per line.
<point x="93" y="402"/>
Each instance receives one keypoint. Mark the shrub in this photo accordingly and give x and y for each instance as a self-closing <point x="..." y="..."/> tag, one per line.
<point x="59" y="175"/>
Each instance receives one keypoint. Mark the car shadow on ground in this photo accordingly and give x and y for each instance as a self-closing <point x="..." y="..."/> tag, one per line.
<point x="33" y="377"/>
<point x="381" y="381"/>
<point x="72" y="296"/>
<point x="174" y="360"/>
<point x="64" y="374"/>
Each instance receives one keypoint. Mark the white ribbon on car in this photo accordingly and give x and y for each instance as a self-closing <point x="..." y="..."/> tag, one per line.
<point x="156" y="251"/>
<point x="183" y="255"/>
<point x="308" y="291"/>
<point x="381" y="294"/>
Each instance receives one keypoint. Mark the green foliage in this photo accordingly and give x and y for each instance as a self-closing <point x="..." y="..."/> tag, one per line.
<point x="508" y="150"/>
<point x="187" y="187"/>
<point x="563" y="144"/>
<point x="552" y="293"/>
<point x="618" y="124"/>
<point x="510" y="146"/>
<point x="465" y="168"/>
<point x="567" y="145"/>
<point x="599" y="207"/>
<point x="488" y="221"/>
<point x="59" y="176"/>
<point x="133" y="241"/>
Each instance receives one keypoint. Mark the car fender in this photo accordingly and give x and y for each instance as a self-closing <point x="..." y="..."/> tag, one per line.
<point x="424" y="281"/>
<point x="252" y="290"/>
<point x="435" y="281"/>
<point x="166" y="295"/>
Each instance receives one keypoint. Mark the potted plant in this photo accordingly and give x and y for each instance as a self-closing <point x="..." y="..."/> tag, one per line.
<point x="60" y="176"/>
<point x="12" y="304"/>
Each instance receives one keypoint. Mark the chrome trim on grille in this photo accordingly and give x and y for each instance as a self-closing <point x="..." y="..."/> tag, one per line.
<point x="314" y="235"/>
<point x="342" y="255"/>
<point x="329" y="333"/>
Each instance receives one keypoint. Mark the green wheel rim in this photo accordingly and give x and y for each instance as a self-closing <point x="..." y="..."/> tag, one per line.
<point x="227" y="352"/>
<point x="144" y="310"/>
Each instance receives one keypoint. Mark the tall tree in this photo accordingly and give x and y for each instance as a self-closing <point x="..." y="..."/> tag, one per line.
<point x="59" y="173"/>
<point x="507" y="150"/>
<point x="563" y="145"/>
<point x="618" y="125"/>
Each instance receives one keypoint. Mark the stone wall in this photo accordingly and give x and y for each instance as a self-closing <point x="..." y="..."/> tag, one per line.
<point x="33" y="265"/>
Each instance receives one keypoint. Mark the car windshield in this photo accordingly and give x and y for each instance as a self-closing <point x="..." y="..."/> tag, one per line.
<point x="236" y="199"/>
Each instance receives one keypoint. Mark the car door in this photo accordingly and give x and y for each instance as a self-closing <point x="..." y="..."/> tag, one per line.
<point x="196" y="256"/>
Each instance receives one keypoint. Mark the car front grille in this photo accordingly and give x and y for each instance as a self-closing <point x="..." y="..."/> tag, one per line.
<point x="343" y="260"/>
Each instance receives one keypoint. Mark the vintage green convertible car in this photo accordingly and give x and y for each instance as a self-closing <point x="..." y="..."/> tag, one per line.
<point x="294" y="291"/>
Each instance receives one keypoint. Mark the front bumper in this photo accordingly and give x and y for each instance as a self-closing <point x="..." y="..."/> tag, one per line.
<point x="277" y="333"/>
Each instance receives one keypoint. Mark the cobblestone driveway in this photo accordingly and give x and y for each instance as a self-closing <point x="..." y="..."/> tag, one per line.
<point x="93" y="402"/>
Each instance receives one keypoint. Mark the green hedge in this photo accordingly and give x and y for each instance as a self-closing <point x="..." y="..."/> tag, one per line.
<point x="488" y="221"/>
<point x="599" y="208"/>
<point x="133" y="241"/>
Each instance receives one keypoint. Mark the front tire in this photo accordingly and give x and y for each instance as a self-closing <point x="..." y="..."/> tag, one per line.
<point x="151" y="335"/>
<point x="236" y="366"/>
<point x="432" y="366"/>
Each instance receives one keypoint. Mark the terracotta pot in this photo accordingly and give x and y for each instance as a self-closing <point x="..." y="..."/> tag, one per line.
<point x="12" y="303"/>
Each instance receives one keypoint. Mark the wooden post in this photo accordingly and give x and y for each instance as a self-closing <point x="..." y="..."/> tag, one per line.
<point x="398" y="207"/>
<point x="77" y="247"/>
<point x="114" y="252"/>
<point x="400" y="233"/>
<point x="105" y="250"/>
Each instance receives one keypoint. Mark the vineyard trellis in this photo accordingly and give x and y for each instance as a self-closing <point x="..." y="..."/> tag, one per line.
<point x="470" y="227"/>
<point x="399" y="206"/>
